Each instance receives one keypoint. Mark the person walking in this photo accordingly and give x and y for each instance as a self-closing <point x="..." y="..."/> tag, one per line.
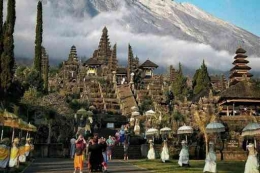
<point x="78" y="158"/>
<point x="72" y="147"/>
<point x="126" y="146"/>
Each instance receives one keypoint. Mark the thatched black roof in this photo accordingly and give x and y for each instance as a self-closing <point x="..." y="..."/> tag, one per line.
<point x="121" y="70"/>
<point x="240" y="61"/>
<point x="92" y="61"/>
<point x="241" y="90"/>
<point x="148" y="63"/>
<point x="241" y="67"/>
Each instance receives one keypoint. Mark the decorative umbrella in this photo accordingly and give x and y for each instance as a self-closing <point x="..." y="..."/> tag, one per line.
<point x="82" y="111"/>
<point x="135" y="114"/>
<point x="165" y="130"/>
<point x="185" y="130"/>
<point x="251" y="129"/>
<point x="215" y="127"/>
<point x="10" y="121"/>
<point x="92" y="107"/>
<point x="134" y="108"/>
<point x="90" y="113"/>
<point x="151" y="131"/>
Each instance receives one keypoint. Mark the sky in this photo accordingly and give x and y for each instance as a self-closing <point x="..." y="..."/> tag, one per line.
<point x="69" y="25"/>
<point x="242" y="13"/>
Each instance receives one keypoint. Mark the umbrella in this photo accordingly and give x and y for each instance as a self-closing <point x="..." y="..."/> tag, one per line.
<point x="185" y="130"/>
<point x="90" y="113"/>
<point x="92" y="107"/>
<point x="165" y="130"/>
<point x="151" y="131"/>
<point x="82" y="111"/>
<point x="251" y="129"/>
<point x="150" y="113"/>
<point x="135" y="114"/>
<point x="134" y="108"/>
<point x="215" y="127"/>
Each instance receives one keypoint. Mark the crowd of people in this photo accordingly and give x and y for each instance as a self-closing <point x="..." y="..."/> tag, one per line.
<point x="96" y="151"/>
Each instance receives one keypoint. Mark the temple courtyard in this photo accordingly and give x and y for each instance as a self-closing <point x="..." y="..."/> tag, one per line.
<point x="138" y="166"/>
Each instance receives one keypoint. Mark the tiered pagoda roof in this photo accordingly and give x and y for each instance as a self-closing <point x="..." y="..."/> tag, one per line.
<point x="73" y="57"/>
<point x="240" y="68"/>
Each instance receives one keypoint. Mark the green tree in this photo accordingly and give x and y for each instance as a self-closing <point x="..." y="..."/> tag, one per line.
<point x="38" y="39"/>
<point x="146" y="104"/>
<point x="7" y="57"/>
<point x="202" y="79"/>
<point x="1" y="33"/>
<point x="179" y="86"/>
<point x="34" y="80"/>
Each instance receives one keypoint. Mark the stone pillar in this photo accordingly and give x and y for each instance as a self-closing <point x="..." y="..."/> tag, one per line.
<point x="132" y="81"/>
<point x="114" y="77"/>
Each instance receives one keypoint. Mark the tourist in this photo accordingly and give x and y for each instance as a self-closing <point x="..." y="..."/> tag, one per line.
<point x="110" y="143"/>
<point x="184" y="155"/>
<point x="165" y="152"/>
<point x="252" y="164"/>
<point x="122" y="135"/>
<point x="72" y="147"/>
<point x="117" y="137"/>
<point x="151" y="152"/>
<point x="96" y="146"/>
<point x="210" y="162"/>
<point x="78" y="158"/>
<point x="126" y="146"/>
<point x="104" y="150"/>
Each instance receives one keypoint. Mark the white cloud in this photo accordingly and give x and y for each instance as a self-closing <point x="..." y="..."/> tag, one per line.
<point x="62" y="30"/>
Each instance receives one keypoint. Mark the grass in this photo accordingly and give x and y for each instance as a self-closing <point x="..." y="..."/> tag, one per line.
<point x="196" y="166"/>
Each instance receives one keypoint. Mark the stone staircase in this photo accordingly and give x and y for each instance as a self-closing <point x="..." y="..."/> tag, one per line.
<point x="110" y="97"/>
<point x="126" y="98"/>
<point x="95" y="96"/>
<point x="134" y="152"/>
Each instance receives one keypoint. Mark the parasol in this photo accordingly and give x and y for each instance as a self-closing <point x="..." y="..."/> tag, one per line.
<point x="251" y="129"/>
<point x="150" y="113"/>
<point x="134" y="108"/>
<point x="215" y="127"/>
<point x="165" y="130"/>
<point x="185" y="130"/>
<point x="90" y="113"/>
<point x="135" y="114"/>
<point x="92" y="107"/>
<point x="82" y="111"/>
<point x="151" y="131"/>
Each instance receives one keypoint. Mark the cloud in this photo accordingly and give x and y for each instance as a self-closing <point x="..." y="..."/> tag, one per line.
<point x="68" y="24"/>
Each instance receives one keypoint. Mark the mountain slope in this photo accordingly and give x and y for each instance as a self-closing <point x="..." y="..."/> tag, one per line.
<point x="183" y="21"/>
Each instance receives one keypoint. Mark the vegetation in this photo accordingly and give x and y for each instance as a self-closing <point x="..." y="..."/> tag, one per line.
<point x="7" y="56"/>
<point x="1" y="34"/>
<point x="201" y="79"/>
<point x="196" y="166"/>
<point x="179" y="86"/>
<point x="38" y="39"/>
<point x="146" y="104"/>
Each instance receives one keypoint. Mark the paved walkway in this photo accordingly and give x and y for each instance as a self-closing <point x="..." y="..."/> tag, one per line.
<point x="66" y="166"/>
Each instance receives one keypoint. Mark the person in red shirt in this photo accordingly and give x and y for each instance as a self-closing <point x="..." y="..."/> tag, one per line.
<point x="78" y="159"/>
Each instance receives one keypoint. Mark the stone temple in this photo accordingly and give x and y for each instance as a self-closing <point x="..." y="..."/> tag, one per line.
<point x="105" y="84"/>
